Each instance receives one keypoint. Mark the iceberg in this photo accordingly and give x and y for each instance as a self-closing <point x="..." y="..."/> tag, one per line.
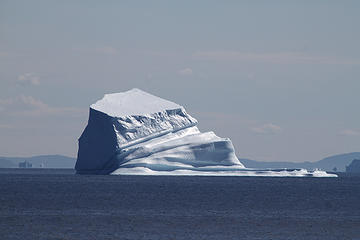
<point x="136" y="133"/>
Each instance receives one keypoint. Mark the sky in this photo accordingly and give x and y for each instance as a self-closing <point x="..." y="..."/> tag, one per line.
<point x="281" y="79"/>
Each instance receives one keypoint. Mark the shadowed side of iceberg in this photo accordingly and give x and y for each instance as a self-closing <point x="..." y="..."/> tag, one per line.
<point x="97" y="145"/>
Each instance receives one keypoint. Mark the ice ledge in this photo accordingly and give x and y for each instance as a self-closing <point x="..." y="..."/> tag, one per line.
<point x="221" y="171"/>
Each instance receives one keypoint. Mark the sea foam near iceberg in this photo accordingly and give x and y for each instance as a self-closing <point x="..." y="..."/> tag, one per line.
<point x="136" y="133"/>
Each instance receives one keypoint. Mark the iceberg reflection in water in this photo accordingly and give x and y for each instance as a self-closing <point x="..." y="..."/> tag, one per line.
<point x="136" y="133"/>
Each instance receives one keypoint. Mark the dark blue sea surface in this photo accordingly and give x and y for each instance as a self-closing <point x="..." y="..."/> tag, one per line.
<point x="57" y="204"/>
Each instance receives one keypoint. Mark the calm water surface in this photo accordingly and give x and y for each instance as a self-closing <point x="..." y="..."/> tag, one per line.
<point x="57" y="204"/>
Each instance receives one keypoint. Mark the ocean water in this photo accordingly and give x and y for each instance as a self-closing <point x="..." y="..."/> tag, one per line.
<point x="57" y="204"/>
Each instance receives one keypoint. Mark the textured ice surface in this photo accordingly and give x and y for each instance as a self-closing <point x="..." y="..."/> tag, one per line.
<point x="137" y="133"/>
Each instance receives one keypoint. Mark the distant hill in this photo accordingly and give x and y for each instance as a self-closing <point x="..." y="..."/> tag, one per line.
<point x="58" y="161"/>
<point x="328" y="164"/>
<point x="340" y="161"/>
<point x="49" y="161"/>
<point x="6" y="163"/>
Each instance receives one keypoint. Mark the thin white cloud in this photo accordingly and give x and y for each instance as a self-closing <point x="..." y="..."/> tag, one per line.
<point x="268" y="128"/>
<point x="165" y="54"/>
<point x="185" y="72"/>
<point x="250" y="76"/>
<point x="100" y="50"/>
<point x="277" y="58"/>
<point x="30" y="106"/>
<point x="28" y="79"/>
<point x="6" y="126"/>
<point x="4" y="54"/>
<point x="350" y="132"/>
<point x="107" y="50"/>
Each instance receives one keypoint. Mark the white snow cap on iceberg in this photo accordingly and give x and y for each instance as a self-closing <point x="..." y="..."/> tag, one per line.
<point x="132" y="102"/>
<point x="136" y="133"/>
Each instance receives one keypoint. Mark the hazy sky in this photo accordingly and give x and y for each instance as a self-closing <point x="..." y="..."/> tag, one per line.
<point x="280" y="78"/>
